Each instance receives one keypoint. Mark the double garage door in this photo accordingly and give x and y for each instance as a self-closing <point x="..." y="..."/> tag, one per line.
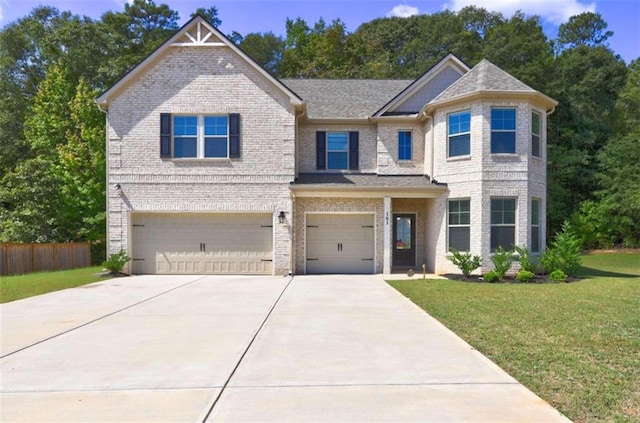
<point x="188" y="243"/>
<point x="340" y="243"/>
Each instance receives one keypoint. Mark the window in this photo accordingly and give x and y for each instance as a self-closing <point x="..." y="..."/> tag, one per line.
<point x="535" y="134"/>
<point x="404" y="145"/>
<point x="535" y="226"/>
<point x="459" y="224"/>
<point x="503" y="223"/>
<point x="503" y="131"/>
<point x="337" y="150"/>
<point x="199" y="136"/>
<point x="460" y="134"/>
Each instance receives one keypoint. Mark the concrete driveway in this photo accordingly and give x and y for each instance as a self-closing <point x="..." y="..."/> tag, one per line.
<point x="239" y="348"/>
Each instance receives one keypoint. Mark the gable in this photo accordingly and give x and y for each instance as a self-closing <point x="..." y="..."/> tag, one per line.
<point x="416" y="101"/>
<point x="426" y="87"/>
<point x="196" y="34"/>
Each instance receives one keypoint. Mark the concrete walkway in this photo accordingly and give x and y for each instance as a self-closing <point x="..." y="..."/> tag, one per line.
<point x="255" y="349"/>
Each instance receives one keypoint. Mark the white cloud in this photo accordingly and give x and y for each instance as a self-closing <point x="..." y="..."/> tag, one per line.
<point x="402" y="11"/>
<point x="1" y="11"/>
<point x="554" y="11"/>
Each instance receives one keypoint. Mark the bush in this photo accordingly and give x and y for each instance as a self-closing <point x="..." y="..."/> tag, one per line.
<point x="524" y="258"/>
<point x="502" y="261"/>
<point x="464" y="261"/>
<point x="567" y="248"/>
<point x="549" y="260"/>
<point x="116" y="262"/>
<point x="525" y="276"/>
<point x="491" y="276"/>
<point x="558" y="276"/>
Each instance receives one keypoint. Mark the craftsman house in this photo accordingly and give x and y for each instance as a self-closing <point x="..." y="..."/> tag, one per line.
<point x="215" y="166"/>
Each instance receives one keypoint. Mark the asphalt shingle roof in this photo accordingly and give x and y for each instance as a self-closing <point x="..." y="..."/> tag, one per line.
<point x="362" y="180"/>
<point x="485" y="76"/>
<point x="345" y="98"/>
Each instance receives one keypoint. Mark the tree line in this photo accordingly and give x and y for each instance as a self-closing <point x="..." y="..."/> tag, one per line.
<point x="53" y="65"/>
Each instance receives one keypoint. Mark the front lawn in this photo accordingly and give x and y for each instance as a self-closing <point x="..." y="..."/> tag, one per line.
<point x="22" y="286"/>
<point x="576" y="345"/>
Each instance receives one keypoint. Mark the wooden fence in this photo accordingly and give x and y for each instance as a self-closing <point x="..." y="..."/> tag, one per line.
<point x="16" y="259"/>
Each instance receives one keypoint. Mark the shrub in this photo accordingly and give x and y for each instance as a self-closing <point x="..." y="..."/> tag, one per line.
<point x="524" y="258"/>
<point x="464" y="261"/>
<point x="116" y="262"/>
<point x="558" y="276"/>
<point x="491" y="276"/>
<point x="549" y="260"/>
<point x="525" y="276"/>
<point x="502" y="261"/>
<point x="567" y="247"/>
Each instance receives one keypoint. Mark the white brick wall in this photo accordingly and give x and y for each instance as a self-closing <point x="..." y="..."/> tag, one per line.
<point x="201" y="81"/>
<point x="307" y="145"/>
<point x="387" y="146"/>
<point x="483" y="176"/>
<point x="214" y="80"/>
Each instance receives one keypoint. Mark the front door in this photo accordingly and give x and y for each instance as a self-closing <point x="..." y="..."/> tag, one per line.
<point x="404" y="237"/>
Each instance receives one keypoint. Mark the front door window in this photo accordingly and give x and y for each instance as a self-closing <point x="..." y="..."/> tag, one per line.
<point x="404" y="234"/>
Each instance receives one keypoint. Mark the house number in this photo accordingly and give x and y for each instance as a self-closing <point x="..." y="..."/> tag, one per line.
<point x="387" y="218"/>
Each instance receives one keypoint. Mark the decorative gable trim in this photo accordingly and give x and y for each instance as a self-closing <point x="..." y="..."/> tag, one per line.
<point x="197" y="32"/>
<point x="449" y="61"/>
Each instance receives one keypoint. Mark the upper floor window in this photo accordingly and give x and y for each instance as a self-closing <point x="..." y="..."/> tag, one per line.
<point x="404" y="145"/>
<point x="503" y="223"/>
<point x="337" y="150"/>
<point x="459" y="134"/>
<point x="199" y="136"/>
<point x="459" y="224"/>
<point x="535" y="134"/>
<point x="503" y="131"/>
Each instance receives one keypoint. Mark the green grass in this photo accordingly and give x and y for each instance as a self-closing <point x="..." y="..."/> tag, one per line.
<point x="22" y="286"/>
<point x="576" y="345"/>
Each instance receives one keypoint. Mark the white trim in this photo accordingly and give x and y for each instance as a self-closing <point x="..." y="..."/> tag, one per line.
<point x="386" y="221"/>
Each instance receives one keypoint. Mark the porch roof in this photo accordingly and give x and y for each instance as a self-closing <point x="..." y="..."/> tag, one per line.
<point x="369" y="185"/>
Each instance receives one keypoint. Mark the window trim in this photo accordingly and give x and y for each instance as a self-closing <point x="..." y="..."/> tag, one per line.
<point x="449" y="225"/>
<point x="514" y="131"/>
<point x="200" y="136"/>
<point x="513" y="225"/>
<point x="535" y="226"/>
<point x="533" y="134"/>
<point x="449" y="135"/>
<point x="410" y="132"/>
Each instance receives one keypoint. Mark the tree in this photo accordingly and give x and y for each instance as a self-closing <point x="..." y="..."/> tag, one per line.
<point x="586" y="29"/>
<point x="210" y="14"/>
<point x="265" y="48"/>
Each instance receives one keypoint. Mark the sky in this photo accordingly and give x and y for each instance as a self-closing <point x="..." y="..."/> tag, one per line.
<point x="245" y="16"/>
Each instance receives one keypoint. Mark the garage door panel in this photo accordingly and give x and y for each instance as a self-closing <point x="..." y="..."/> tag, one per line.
<point x="340" y="243"/>
<point x="203" y="243"/>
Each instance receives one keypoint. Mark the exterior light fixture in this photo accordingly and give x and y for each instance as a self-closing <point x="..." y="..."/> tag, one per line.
<point x="118" y="187"/>
<point x="281" y="217"/>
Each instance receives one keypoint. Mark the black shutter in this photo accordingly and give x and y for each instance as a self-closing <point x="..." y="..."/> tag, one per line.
<point x="234" y="135"/>
<point x="321" y="150"/>
<point x="165" y="135"/>
<point x="354" y="160"/>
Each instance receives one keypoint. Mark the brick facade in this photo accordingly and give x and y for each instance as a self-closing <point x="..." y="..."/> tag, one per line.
<point x="277" y="145"/>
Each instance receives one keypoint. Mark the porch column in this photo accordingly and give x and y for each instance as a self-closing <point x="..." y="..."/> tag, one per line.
<point x="388" y="221"/>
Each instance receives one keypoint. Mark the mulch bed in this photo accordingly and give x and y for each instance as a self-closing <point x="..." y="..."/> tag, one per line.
<point x="507" y="279"/>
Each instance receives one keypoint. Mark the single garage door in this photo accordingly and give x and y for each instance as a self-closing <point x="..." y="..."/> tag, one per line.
<point x="189" y="243"/>
<point x="340" y="243"/>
